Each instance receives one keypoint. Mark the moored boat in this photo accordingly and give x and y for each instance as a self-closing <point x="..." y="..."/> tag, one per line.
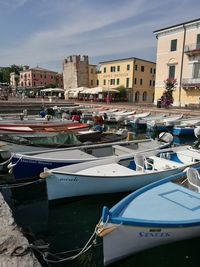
<point x="163" y="212"/>
<point x="163" y="124"/>
<point x="34" y="163"/>
<point x="117" y="174"/>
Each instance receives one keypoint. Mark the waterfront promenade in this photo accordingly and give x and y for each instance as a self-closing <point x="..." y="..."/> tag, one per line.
<point x="16" y="104"/>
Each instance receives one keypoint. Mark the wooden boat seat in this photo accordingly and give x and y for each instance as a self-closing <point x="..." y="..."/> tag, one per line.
<point x="161" y="163"/>
<point x="120" y="150"/>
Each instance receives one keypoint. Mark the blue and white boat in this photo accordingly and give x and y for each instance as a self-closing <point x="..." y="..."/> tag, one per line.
<point x="31" y="164"/>
<point x="123" y="173"/>
<point x="186" y="126"/>
<point x="164" y="124"/>
<point x="160" y="213"/>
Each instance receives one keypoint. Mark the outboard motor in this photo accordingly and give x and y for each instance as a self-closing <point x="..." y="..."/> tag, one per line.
<point x="165" y="137"/>
<point x="197" y="135"/>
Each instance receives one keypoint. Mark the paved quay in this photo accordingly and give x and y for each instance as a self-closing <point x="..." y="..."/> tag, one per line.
<point x="17" y="105"/>
<point x="13" y="244"/>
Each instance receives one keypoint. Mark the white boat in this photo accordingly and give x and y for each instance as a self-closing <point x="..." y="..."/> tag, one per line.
<point x="141" y="123"/>
<point x="90" y="114"/>
<point x="163" y="124"/>
<point x="119" y="116"/>
<point x="160" y="213"/>
<point x="33" y="163"/>
<point x="117" y="174"/>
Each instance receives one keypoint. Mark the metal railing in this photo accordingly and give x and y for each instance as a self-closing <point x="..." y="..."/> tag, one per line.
<point x="192" y="47"/>
<point x="191" y="82"/>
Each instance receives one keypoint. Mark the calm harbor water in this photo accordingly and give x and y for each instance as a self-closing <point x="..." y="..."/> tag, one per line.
<point x="69" y="225"/>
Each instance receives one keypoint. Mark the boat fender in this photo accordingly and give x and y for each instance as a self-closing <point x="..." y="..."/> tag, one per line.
<point x="46" y="173"/>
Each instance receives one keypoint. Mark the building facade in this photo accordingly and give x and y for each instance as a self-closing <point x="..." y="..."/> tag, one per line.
<point x="39" y="77"/>
<point x="14" y="79"/>
<point x="136" y="75"/>
<point x="93" y="76"/>
<point x="178" y="56"/>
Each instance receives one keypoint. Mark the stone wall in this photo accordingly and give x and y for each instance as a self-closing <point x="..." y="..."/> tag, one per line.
<point x="12" y="238"/>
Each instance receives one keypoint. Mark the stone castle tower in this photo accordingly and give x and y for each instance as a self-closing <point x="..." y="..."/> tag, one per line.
<point x="75" y="72"/>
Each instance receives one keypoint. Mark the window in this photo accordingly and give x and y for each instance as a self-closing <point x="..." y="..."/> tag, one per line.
<point x="171" y="71"/>
<point x="92" y="70"/>
<point x="142" y="68"/>
<point x="173" y="45"/>
<point x="144" y="96"/>
<point x="154" y="71"/>
<point x="104" y="82"/>
<point x="41" y="76"/>
<point x="135" y="67"/>
<point x="118" y="68"/>
<point x="196" y="70"/>
<point x="91" y="82"/>
<point x="112" y="82"/>
<point x="127" y="82"/>
<point x="153" y="83"/>
<point x="135" y="81"/>
<point x="128" y="67"/>
<point x="198" y="41"/>
<point x="104" y="70"/>
<point x="140" y="81"/>
<point x="97" y="82"/>
<point x="117" y="81"/>
<point x="151" y="70"/>
<point x="112" y="69"/>
<point x="137" y="96"/>
<point x="150" y="82"/>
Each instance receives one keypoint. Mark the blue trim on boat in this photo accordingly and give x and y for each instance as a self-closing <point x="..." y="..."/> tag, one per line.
<point x="114" y="212"/>
<point x="182" y="131"/>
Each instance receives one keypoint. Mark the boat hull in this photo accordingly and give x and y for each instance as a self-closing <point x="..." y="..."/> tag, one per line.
<point x="127" y="240"/>
<point x="60" y="185"/>
<point x="183" y="131"/>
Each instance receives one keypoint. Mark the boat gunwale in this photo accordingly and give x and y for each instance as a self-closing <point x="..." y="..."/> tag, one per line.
<point x="120" y="206"/>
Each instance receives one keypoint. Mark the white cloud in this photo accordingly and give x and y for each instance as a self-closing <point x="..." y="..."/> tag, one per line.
<point x="72" y="30"/>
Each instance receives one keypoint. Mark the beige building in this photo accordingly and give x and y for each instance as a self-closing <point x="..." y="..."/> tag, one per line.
<point x="134" y="74"/>
<point x="93" y="76"/>
<point x="14" y="79"/>
<point x="178" y="56"/>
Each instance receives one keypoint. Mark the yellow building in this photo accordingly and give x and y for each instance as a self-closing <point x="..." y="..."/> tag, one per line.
<point x="178" y="56"/>
<point x="134" y="74"/>
<point x="93" y="78"/>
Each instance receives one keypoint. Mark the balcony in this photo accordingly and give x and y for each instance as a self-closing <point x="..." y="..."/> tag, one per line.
<point x="192" y="49"/>
<point x="191" y="83"/>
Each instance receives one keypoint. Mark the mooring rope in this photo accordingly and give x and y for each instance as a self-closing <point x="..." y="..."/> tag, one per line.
<point x="92" y="241"/>
<point x="15" y="185"/>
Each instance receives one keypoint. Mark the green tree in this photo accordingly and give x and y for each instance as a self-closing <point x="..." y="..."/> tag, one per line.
<point x="5" y="72"/>
<point x="51" y="85"/>
<point x="122" y="91"/>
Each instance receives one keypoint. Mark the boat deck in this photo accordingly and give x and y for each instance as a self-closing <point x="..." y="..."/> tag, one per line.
<point x="112" y="169"/>
<point x="169" y="202"/>
<point x="65" y="154"/>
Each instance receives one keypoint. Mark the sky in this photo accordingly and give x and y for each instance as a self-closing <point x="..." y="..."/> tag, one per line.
<point x="45" y="32"/>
